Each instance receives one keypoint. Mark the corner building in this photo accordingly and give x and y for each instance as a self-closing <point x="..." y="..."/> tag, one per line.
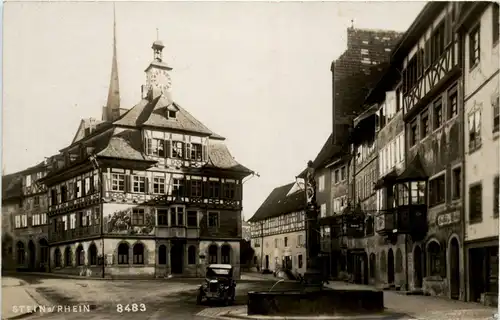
<point x="146" y="192"/>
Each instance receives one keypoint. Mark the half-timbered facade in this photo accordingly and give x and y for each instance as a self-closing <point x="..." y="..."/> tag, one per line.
<point x="149" y="192"/>
<point x="432" y="112"/>
<point x="387" y="262"/>
<point x="278" y="234"/>
<point x="479" y="30"/>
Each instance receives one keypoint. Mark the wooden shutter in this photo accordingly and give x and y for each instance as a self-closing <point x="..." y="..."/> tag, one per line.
<point x="168" y="149"/>
<point x="206" y="189"/>
<point x="239" y="191"/>
<point x="427" y="53"/>
<point x="128" y="183"/>
<point x="146" y="185"/>
<point x="146" y="149"/>
<point x="222" y="187"/>
<point x="188" y="151"/>
<point x="204" y="153"/>
<point x="187" y="191"/>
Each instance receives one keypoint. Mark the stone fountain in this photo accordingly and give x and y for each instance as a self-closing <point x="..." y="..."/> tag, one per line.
<point x="311" y="297"/>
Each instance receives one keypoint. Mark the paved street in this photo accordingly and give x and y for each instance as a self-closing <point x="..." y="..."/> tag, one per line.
<point x="176" y="299"/>
<point x="163" y="299"/>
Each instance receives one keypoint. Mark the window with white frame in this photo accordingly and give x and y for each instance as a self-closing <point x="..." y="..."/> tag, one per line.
<point x="117" y="182"/>
<point x="321" y="183"/>
<point x="177" y="216"/>
<point x="339" y="204"/>
<point x="64" y="220"/>
<point x="72" y="221"/>
<point x="138" y="184"/>
<point x="343" y="173"/>
<point x="28" y="181"/>
<point x="78" y="189"/>
<point x="158" y="185"/>
<point x="35" y="219"/>
<point x="474" y="122"/>
<point x="138" y="217"/>
<point x="17" y="221"/>
<point x="43" y="218"/>
<point x="323" y="210"/>
<point x="177" y="149"/>
<point x="195" y="151"/>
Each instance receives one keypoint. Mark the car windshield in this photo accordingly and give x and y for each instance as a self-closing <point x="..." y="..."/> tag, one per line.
<point x="218" y="272"/>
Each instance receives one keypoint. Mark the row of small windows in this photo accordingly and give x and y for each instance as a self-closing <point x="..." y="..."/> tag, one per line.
<point x="25" y="221"/>
<point x="432" y="118"/>
<point x="175" y="149"/>
<point x="180" y="187"/>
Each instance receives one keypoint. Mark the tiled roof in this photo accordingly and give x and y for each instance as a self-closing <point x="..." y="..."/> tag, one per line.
<point x="277" y="203"/>
<point x="414" y="171"/>
<point x="123" y="144"/>
<point x="220" y="157"/>
<point x="154" y="113"/>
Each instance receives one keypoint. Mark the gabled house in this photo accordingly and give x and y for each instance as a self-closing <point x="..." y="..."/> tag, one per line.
<point x="278" y="230"/>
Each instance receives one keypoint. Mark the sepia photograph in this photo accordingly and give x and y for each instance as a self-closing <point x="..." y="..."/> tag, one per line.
<point x="250" y="160"/>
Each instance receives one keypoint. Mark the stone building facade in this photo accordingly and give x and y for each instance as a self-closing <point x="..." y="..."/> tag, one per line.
<point x="145" y="192"/>
<point x="31" y="223"/>
<point x="479" y="29"/>
<point x="278" y="230"/>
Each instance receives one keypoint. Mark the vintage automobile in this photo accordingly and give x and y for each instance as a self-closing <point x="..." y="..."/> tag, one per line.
<point x="219" y="284"/>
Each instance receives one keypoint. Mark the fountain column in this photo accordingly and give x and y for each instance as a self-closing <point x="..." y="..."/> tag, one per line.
<point x="313" y="275"/>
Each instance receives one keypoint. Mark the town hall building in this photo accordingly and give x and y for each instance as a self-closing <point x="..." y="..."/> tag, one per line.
<point x="149" y="191"/>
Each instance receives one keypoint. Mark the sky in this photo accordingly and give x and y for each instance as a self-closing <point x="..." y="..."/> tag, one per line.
<point x="257" y="73"/>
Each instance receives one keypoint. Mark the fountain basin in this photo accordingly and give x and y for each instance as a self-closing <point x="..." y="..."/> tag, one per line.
<point x="318" y="302"/>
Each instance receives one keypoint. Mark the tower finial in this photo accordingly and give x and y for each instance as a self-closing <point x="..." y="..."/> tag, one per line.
<point x="112" y="109"/>
<point x="352" y="23"/>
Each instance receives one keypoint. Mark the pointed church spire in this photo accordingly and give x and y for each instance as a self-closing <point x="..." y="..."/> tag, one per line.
<point x="112" y="109"/>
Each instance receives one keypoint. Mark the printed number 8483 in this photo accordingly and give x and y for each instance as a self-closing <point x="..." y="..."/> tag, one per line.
<point x="134" y="307"/>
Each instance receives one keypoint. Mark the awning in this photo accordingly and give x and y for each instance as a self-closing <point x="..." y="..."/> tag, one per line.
<point x="386" y="180"/>
<point x="415" y="171"/>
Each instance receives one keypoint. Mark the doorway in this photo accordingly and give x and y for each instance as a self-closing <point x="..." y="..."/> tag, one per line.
<point x="44" y="254"/>
<point x="390" y="267"/>
<point x="454" y="269"/>
<point x="267" y="263"/>
<point x="177" y="258"/>
<point x="417" y="267"/>
<point x="31" y="255"/>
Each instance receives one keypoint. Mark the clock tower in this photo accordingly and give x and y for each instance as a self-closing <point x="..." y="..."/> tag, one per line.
<point x="158" y="79"/>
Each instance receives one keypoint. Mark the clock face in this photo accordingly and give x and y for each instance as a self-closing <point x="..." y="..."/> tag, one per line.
<point x="161" y="79"/>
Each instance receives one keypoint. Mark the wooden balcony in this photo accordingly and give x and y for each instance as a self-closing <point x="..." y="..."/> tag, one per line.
<point x="411" y="219"/>
<point x="441" y="71"/>
<point x="74" y="234"/>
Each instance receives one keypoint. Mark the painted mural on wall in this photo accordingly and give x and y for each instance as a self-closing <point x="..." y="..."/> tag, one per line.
<point x="130" y="221"/>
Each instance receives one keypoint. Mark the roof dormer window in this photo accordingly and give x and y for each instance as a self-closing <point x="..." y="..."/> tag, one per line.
<point x="172" y="114"/>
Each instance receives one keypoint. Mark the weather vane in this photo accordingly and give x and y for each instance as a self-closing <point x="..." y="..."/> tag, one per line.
<point x="352" y="23"/>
